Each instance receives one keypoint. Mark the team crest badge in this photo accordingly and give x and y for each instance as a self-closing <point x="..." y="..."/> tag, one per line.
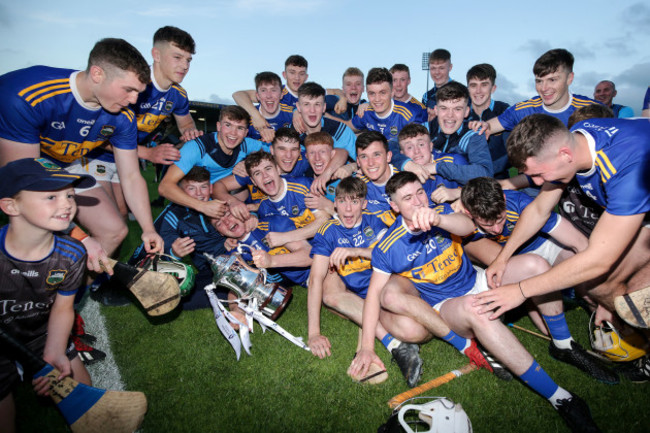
<point x="107" y="130"/>
<point x="169" y="105"/>
<point x="510" y="226"/>
<point x="440" y="239"/>
<point x="48" y="165"/>
<point x="295" y="210"/>
<point x="55" y="277"/>
<point x="331" y="189"/>
<point x="101" y="169"/>
<point x="393" y="130"/>
<point x="368" y="232"/>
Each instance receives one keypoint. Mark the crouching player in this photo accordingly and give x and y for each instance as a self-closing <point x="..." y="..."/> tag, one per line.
<point x="41" y="272"/>
<point x="420" y="264"/>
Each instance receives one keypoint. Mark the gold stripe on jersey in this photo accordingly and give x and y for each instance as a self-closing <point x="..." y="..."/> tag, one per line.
<point x="535" y="102"/>
<point x="67" y="151"/>
<point x="263" y="225"/>
<point x="130" y="114"/>
<point x="354" y="265"/>
<point x="446" y="158"/>
<point x="49" y="95"/>
<point x="322" y="229"/>
<point x="297" y="187"/>
<point x="286" y="108"/>
<point x="579" y="102"/>
<point x="59" y="88"/>
<point x="44" y="84"/>
<point x="607" y="170"/>
<point x="390" y="240"/>
<point x="279" y="250"/>
<point x="182" y="91"/>
<point x="403" y="111"/>
<point x="416" y="102"/>
<point x="444" y="265"/>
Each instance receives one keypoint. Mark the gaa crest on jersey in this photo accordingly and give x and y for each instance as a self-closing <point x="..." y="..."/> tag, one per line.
<point x="439" y="239"/>
<point x="393" y="130"/>
<point x="368" y="232"/>
<point x="107" y="130"/>
<point x="55" y="277"/>
<point x="510" y="226"/>
<point x="100" y="169"/>
<point x="169" y="105"/>
<point x="295" y="210"/>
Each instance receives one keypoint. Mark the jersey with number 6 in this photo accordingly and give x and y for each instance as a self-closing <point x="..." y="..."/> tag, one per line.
<point x="42" y="105"/>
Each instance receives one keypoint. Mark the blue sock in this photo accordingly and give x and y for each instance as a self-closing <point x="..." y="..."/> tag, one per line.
<point x="536" y="378"/>
<point x="557" y="326"/>
<point x="387" y="339"/>
<point x="456" y="340"/>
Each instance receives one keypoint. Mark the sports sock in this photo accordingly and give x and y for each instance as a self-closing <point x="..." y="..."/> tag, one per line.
<point x="559" y="331"/>
<point x="457" y="341"/>
<point x="559" y="394"/>
<point x="537" y="379"/>
<point x="390" y="342"/>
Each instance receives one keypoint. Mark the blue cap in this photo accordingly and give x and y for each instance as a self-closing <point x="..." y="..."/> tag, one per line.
<point x="38" y="174"/>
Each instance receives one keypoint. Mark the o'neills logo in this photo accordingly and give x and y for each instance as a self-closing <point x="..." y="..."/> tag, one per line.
<point x="55" y="277"/>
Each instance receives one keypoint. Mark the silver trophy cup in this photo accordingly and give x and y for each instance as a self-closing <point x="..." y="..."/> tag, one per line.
<point x="233" y="273"/>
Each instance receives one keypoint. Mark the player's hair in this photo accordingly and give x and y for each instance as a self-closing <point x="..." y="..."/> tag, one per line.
<point x="529" y="137"/>
<point x="400" y="67"/>
<point x="439" y="55"/>
<point x="593" y="111"/>
<point x="255" y="159"/>
<point x="353" y="72"/>
<point x="412" y="130"/>
<point x="234" y="113"/>
<point x="366" y="138"/>
<point x="552" y="60"/>
<point x="483" y="198"/>
<point x="176" y="36"/>
<point x="118" y="53"/>
<point x="607" y="81"/>
<point x="320" y="137"/>
<point x="288" y="133"/>
<point x="483" y="71"/>
<point x="295" y="60"/>
<point x="352" y="187"/>
<point x="378" y="76"/>
<point x="197" y="174"/>
<point x="267" y="77"/>
<point x="452" y="91"/>
<point x="398" y="180"/>
<point x="311" y="90"/>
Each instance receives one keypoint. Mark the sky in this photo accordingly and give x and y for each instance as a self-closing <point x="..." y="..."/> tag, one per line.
<point x="237" y="38"/>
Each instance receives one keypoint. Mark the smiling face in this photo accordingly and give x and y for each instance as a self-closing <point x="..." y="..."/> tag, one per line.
<point x="605" y="93"/>
<point x="319" y="155"/>
<point x="349" y="210"/>
<point x="380" y="96"/>
<point x="373" y="161"/>
<point x="480" y="92"/>
<point x="266" y="178"/>
<point x="451" y="114"/>
<point x="419" y="148"/>
<point x="269" y="95"/>
<point x="114" y="88"/>
<point x="401" y="81"/>
<point x="353" y="88"/>
<point x="198" y="190"/>
<point x="171" y="63"/>
<point x="229" y="226"/>
<point x="286" y="152"/>
<point x="230" y="134"/>
<point x="439" y="70"/>
<point x="295" y="77"/>
<point x="48" y="210"/>
<point x="311" y="109"/>
<point x="553" y="88"/>
<point x="408" y="199"/>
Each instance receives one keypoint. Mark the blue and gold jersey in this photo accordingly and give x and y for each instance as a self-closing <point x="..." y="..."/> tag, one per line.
<point x="42" y="105"/>
<point x="356" y="271"/>
<point x="399" y="116"/>
<point x="618" y="180"/>
<point x="291" y="204"/>
<point x="283" y="119"/>
<point x="155" y="104"/>
<point x="433" y="261"/>
<point x="288" y="98"/>
<point x="515" y="113"/>
<point x="516" y="202"/>
<point x="343" y="136"/>
<point x="255" y="239"/>
<point x="415" y="105"/>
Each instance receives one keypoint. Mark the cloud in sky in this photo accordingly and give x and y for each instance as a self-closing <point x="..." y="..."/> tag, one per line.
<point x="638" y="16"/>
<point x="536" y="47"/>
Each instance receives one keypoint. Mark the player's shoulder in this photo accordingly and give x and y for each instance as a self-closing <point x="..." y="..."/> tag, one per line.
<point x="402" y="109"/>
<point x="499" y="107"/>
<point x="180" y="90"/>
<point x="578" y="101"/>
<point x="329" y="226"/>
<point x="395" y="232"/>
<point x="416" y="102"/>
<point x="69" y="248"/>
<point x="299" y="183"/>
<point x="533" y="102"/>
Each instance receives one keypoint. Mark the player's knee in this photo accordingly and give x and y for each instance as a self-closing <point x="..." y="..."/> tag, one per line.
<point x="331" y="298"/>
<point x="534" y="265"/>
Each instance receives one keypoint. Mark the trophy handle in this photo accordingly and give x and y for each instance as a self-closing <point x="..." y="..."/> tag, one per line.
<point x="250" y="249"/>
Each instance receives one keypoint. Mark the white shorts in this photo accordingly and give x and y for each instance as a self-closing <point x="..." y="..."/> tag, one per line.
<point x="480" y="285"/>
<point x="104" y="171"/>
<point x="549" y="250"/>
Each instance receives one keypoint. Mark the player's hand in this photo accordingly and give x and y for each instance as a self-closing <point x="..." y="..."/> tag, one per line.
<point x="214" y="208"/>
<point x="340" y="255"/>
<point x="320" y="346"/>
<point x="262" y="259"/>
<point x="164" y="153"/>
<point x="319" y="185"/>
<point x="431" y="114"/>
<point x="480" y="127"/>
<point x="457" y="206"/>
<point x="183" y="246"/>
<point x="424" y="218"/>
<point x="153" y="243"/>
<point x="191" y="134"/>
<point x="319" y="202"/>
<point x="495" y="302"/>
<point x="494" y="273"/>
<point x="341" y="105"/>
<point x="240" y="169"/>
<point x="60" y="362"/>
<point x="431" y="168"/>
<point x="250" y="223"/>
<point x="263" y="127"/>
<point x="418" y="170"/>
<point x="239" y="210"/>
<point x="97" y="258"/>
<point x="361" y="110"/>
<point x="297" y="123"/>
<point x="230" y="244"/>
<point x="443" y="194"/>
<point x="345" y="171"/>
<point x="361" y="363"/>
<point x="275" y="239"/>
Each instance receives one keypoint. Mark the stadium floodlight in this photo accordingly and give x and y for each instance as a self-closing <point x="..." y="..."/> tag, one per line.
<point x="425" y="61"/>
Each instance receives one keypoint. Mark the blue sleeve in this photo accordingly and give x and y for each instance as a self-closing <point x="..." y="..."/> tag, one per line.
<point x="169" y="231"/>
<point x="480" y="162"/>
<point x="18" y="121"/>
<point x="330" y="102"/>
<point x="398" y="159"/>
<point x="253" y="146"/>
<point x="509" y="118"/>
<point x="625" y="112"/>
<point x="126" y="134"/>
<point x="190" y="156"/>
<point x="345" y="139"/>
<point x="358" y="123"/>
<point x="320" y="245"/>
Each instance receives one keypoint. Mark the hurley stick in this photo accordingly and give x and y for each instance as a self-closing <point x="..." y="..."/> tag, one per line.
<point x="85" y="409"/>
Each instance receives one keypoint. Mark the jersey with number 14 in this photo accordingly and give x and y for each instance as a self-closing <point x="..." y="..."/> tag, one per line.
<point x="42" y="105"/>
<point x="433" y="261"/>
